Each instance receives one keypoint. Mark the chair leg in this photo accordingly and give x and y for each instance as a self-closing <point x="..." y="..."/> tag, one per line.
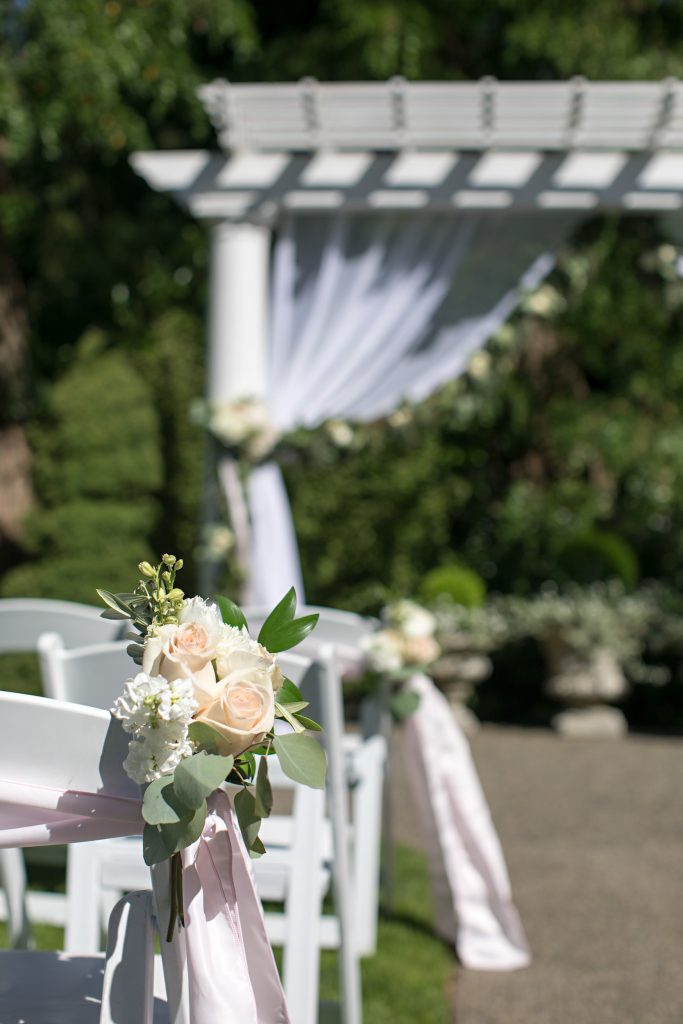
<point x="349" y="964"/>
<point x="301" y="958"/>
<point x="128" y="987"/>
<point x="13" y="875"/>
<point x="82" y="928"/>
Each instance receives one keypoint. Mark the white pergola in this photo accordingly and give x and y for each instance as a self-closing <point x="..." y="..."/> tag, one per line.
<point x="404" y="146"/>
<point x="464" y="149"/>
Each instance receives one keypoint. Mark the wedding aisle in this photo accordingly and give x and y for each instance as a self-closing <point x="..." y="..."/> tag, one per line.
<point x="593" y="835"/>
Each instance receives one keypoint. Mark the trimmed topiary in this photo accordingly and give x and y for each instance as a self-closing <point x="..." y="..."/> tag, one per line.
<point x="462" y="585"/>
<point x="596" y="556"/>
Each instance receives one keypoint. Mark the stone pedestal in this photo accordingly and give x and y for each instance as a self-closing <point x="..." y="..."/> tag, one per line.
<point x="586" y="684"/>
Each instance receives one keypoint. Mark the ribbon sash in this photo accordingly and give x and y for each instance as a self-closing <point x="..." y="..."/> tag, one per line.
<point x="232" y="976"/>
<point x="470" y="881"/>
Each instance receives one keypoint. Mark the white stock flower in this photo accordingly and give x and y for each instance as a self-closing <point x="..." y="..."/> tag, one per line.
<point x="157" y="712"/>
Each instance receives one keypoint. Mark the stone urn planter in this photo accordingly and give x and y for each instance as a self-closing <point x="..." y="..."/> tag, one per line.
<point x="456" y="673"/>
<point x="587" y="683"/>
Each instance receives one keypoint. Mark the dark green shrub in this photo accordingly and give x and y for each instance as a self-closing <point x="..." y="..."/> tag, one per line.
<point x="597" y="556"/>
<point x="97" y="469"/>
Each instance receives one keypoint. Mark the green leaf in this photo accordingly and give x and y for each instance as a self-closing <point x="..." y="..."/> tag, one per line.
<point x="289" y="634"/>
<point x="264" y="792"/>
<point x="282" y="712"/>
<point x="308" y="723"/>
<point x="302" y="759"/>
<point x="294" y="708"/>
<point x="159" y="842"/>
<point x="115" y="603"/>
<point x="109" y="613"/>
<point x="161" y="805"/>
<point x="402" y="705"/>
<point x="257" y="849"/>
<point x="232" y="614"/>
<point x="246" y="765"/>
<point x="204" y="737"/>
<point x="198" y="776"/>
<point x="279" y="619"/>
<point x="135" y="650"/>
<point x="247" y="817"/>
<point x="289" y="693"/>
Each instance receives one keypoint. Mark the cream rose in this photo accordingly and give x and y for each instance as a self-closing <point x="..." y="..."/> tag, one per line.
<point x="181" y="652"/>
<point x="242" y="711"/>
<point x="235" y="645"/>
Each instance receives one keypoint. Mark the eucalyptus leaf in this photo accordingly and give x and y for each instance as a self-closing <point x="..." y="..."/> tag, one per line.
<point x="135" y="651"/>
<point x="302" y="759"/>
<point x="231" y="613"/>
<point x="249" y="821"/>
<point x="159" y="842"/>
<point x="402" y="705"/>
<point x="204" y="737"/>
<point x="161" y="805"/>
<point x="264" y="792"/>
<point x="257" y="849"/>
<point x="198" y="776"/>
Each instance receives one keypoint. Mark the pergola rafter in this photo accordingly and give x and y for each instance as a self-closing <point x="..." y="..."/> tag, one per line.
<point x="430" y="145"/>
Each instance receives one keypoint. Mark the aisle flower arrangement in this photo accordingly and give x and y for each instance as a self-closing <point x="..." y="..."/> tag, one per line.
<point x="202" y="711"/>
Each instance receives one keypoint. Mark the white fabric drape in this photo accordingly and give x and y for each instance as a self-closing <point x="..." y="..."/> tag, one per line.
<point x="369" y="310"/>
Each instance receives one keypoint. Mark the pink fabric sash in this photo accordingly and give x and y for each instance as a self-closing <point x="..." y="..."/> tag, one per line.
<point x="469" y="878"/>
<point x="231" y="972"/>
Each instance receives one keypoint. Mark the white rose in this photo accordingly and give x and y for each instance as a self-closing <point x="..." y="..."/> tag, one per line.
<point x="412" y="619"/>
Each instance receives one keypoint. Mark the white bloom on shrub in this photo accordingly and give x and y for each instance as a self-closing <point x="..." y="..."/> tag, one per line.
<point x="546" y="301"/>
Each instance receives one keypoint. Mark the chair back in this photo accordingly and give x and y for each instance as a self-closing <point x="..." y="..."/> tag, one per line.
<point x="47" y="743"/>
<point x="24" y="620"/>
<point x="93" y="675"/>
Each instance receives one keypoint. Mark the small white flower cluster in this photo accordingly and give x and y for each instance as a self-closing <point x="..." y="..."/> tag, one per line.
<point x="157" y="712"/>
<point x="407" y="639"/>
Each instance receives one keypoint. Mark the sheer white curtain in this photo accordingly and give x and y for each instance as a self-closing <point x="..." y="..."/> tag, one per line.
<point x="369" y="310"/>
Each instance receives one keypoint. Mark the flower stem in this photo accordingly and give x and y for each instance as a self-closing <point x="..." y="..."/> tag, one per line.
<point x="177" y="913"/>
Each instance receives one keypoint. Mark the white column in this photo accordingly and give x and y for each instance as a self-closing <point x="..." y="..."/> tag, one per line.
<point x="238" y="311"/>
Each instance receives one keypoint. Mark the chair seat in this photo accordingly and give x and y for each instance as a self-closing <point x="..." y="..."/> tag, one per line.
<point x="55" y="988"/>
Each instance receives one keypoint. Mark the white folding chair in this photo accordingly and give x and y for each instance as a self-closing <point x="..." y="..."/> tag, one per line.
<point x="22" y="622"/>
<point x="53" y="746"/>
<point x="364" y="761"/>
<point x="98" y="872"/>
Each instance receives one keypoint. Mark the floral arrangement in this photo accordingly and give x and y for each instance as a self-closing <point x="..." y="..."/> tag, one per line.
<point x="203" y="706"/>
<point x="406" y="642"/>
<point x="242" y="425"/>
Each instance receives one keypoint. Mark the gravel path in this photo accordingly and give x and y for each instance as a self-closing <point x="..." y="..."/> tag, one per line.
<point x="593" y="836"/>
